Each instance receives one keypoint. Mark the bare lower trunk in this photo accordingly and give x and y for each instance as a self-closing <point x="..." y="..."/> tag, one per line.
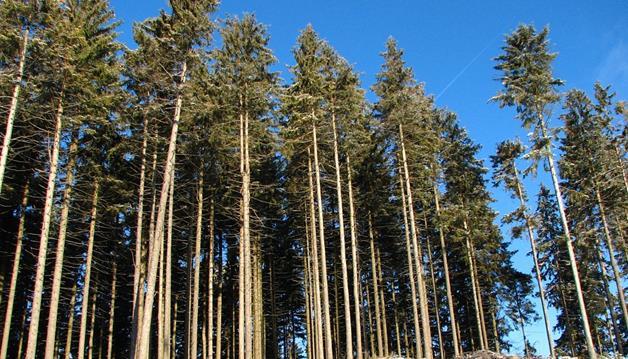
<point x="572" y="257"/>
<point x="450" y="298"/>
<point x="219" y="303"/>
<point x="6" y="332"/>
<point x="137" y="267"/>
<point x="610" y="305"/>
<point x="88" y="271"/>
<point x="374" y="281"/>
<point x="8" y="133"/>
<point x="33" y="330"/>
<point x="210" y="284"/>
<point x="611" y="254"/>
<point x="168" y="331"/>
<point x="112" y="312"/>
<point x="343" y="254"/>
<point x="153" y="258"/>
<point x="396" y="318"/>
<point x="321" y="234"/>
<point x="68" y="337"/>
<point x="425" y="319"/>
<point x="315" y="264"/>
<point x="381" y="292"/>
<point x="92" y="327"/>
<point x="406" y="228"/>
<point x="58" y="268"/>
<point x="435" y="294"/>
<point x="537" y="269"/>
<point x="476" y="304"/>
<point x="355" y="266"/>
<point x="197" y="265"/>
<point x="246" y="231"/>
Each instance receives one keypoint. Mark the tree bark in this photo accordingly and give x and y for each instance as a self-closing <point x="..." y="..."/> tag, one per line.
<point x="112" y="311"/>
<point x="68" y="338"/>
<point x="6" y="332"/>
<point x="33" y="330"/>
<point x="425" y="319"/>
<point x="450" y="298"/>
<point x="219" y="302"/>
<point x="143" y="342"/>
<point x="58" y="268"/>
<point x="88" y="271"/>
<point x="315" y="265"/>
<point x="210" y="284"/>
<point x="355" y="266"/>
<point x="8" y="133"/>
<point x="476" y="303"/>
<point x="343" y="254"/>
<point x="92" y="327"/>
<point x="415" y="311"/>
<point x="321" y="233"/>
<point x="197" y="265"/>
<point x="374" y="282"/>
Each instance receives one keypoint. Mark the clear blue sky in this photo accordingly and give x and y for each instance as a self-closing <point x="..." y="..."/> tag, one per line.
<point x="450" y="45"/>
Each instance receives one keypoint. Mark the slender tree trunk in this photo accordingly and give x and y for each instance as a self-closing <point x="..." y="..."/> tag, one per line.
<point x="382" y="292"/>
<point x="495" y="333"/>
<point x="370" y="316"/>
<point x="33" y="330"/>
<point x="415" y="311"/>
<point x="246" y="228"/>
<point x="58" y="268"/>
<point x="68" y="338"/>
<point x="173" y="345"/>
<point x="137" y="267"/>
<point x="609" y="299"/>
<point x="112" y="311"/>
<point x="374" y="281"/>
<point x="396" y="317"/>
<point x="6" y="332"/>
<point x="92" y="326"/>
<point x="258" y="331"/>
<point x="523" y="334"/>
<point x="476" y="304"/>
<point x="160" y="304"/>
<point x="572" y="257"/>
<point x="8" y="133"/>
<point x="321" y="232"/>
<point x="343" y="254"/>
<point x="308" y="313"/>
<point x="219" y="302"/>
<point x="88" y="271"/>
<point x="480" y="300"/>
<point x="611" y="255"/>
<point x="435" y="294"/>
<point x="450" y="298"/>
<point x="210" y="284"/>
<point x="537" y="269"/>
<point x="168" y="332"/>
<point x="425" y="319"/>
<point x="315" y="265"/>
<point x="144" y="337"/>
<point x="357" y="299"/>
<point x="197" y="265"/>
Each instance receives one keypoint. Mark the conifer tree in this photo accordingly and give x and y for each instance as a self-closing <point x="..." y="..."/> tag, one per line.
<point x="529" y="85"/>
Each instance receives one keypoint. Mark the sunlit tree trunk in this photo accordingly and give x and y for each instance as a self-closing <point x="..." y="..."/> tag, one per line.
<point x="112" y="311"/>
<point x="197" y="265"/>
<point x="8" y="133"/>
<point x="357" y="298"/>
<point x="476" y="304"/>
<point x="434" y="292"/>
<point x="33" y="330"/>
<point x="374" y="282"/>
<point x="537" y="269"/>
<point x="88" y="271"/>
<point x="423" y="307"/>
<point x="321" y="234"/>
<point x="572" y="257"/>
<point x="92" y="326"/>
<point x="58" y="268"/>
<point x="6" y="332"/>
<point x="210" y="284"/>
<point x="318" y="322"/>
<point x="68" y="337"/>
<point x="343" y="254"/>
<point x="406" y="228"/>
